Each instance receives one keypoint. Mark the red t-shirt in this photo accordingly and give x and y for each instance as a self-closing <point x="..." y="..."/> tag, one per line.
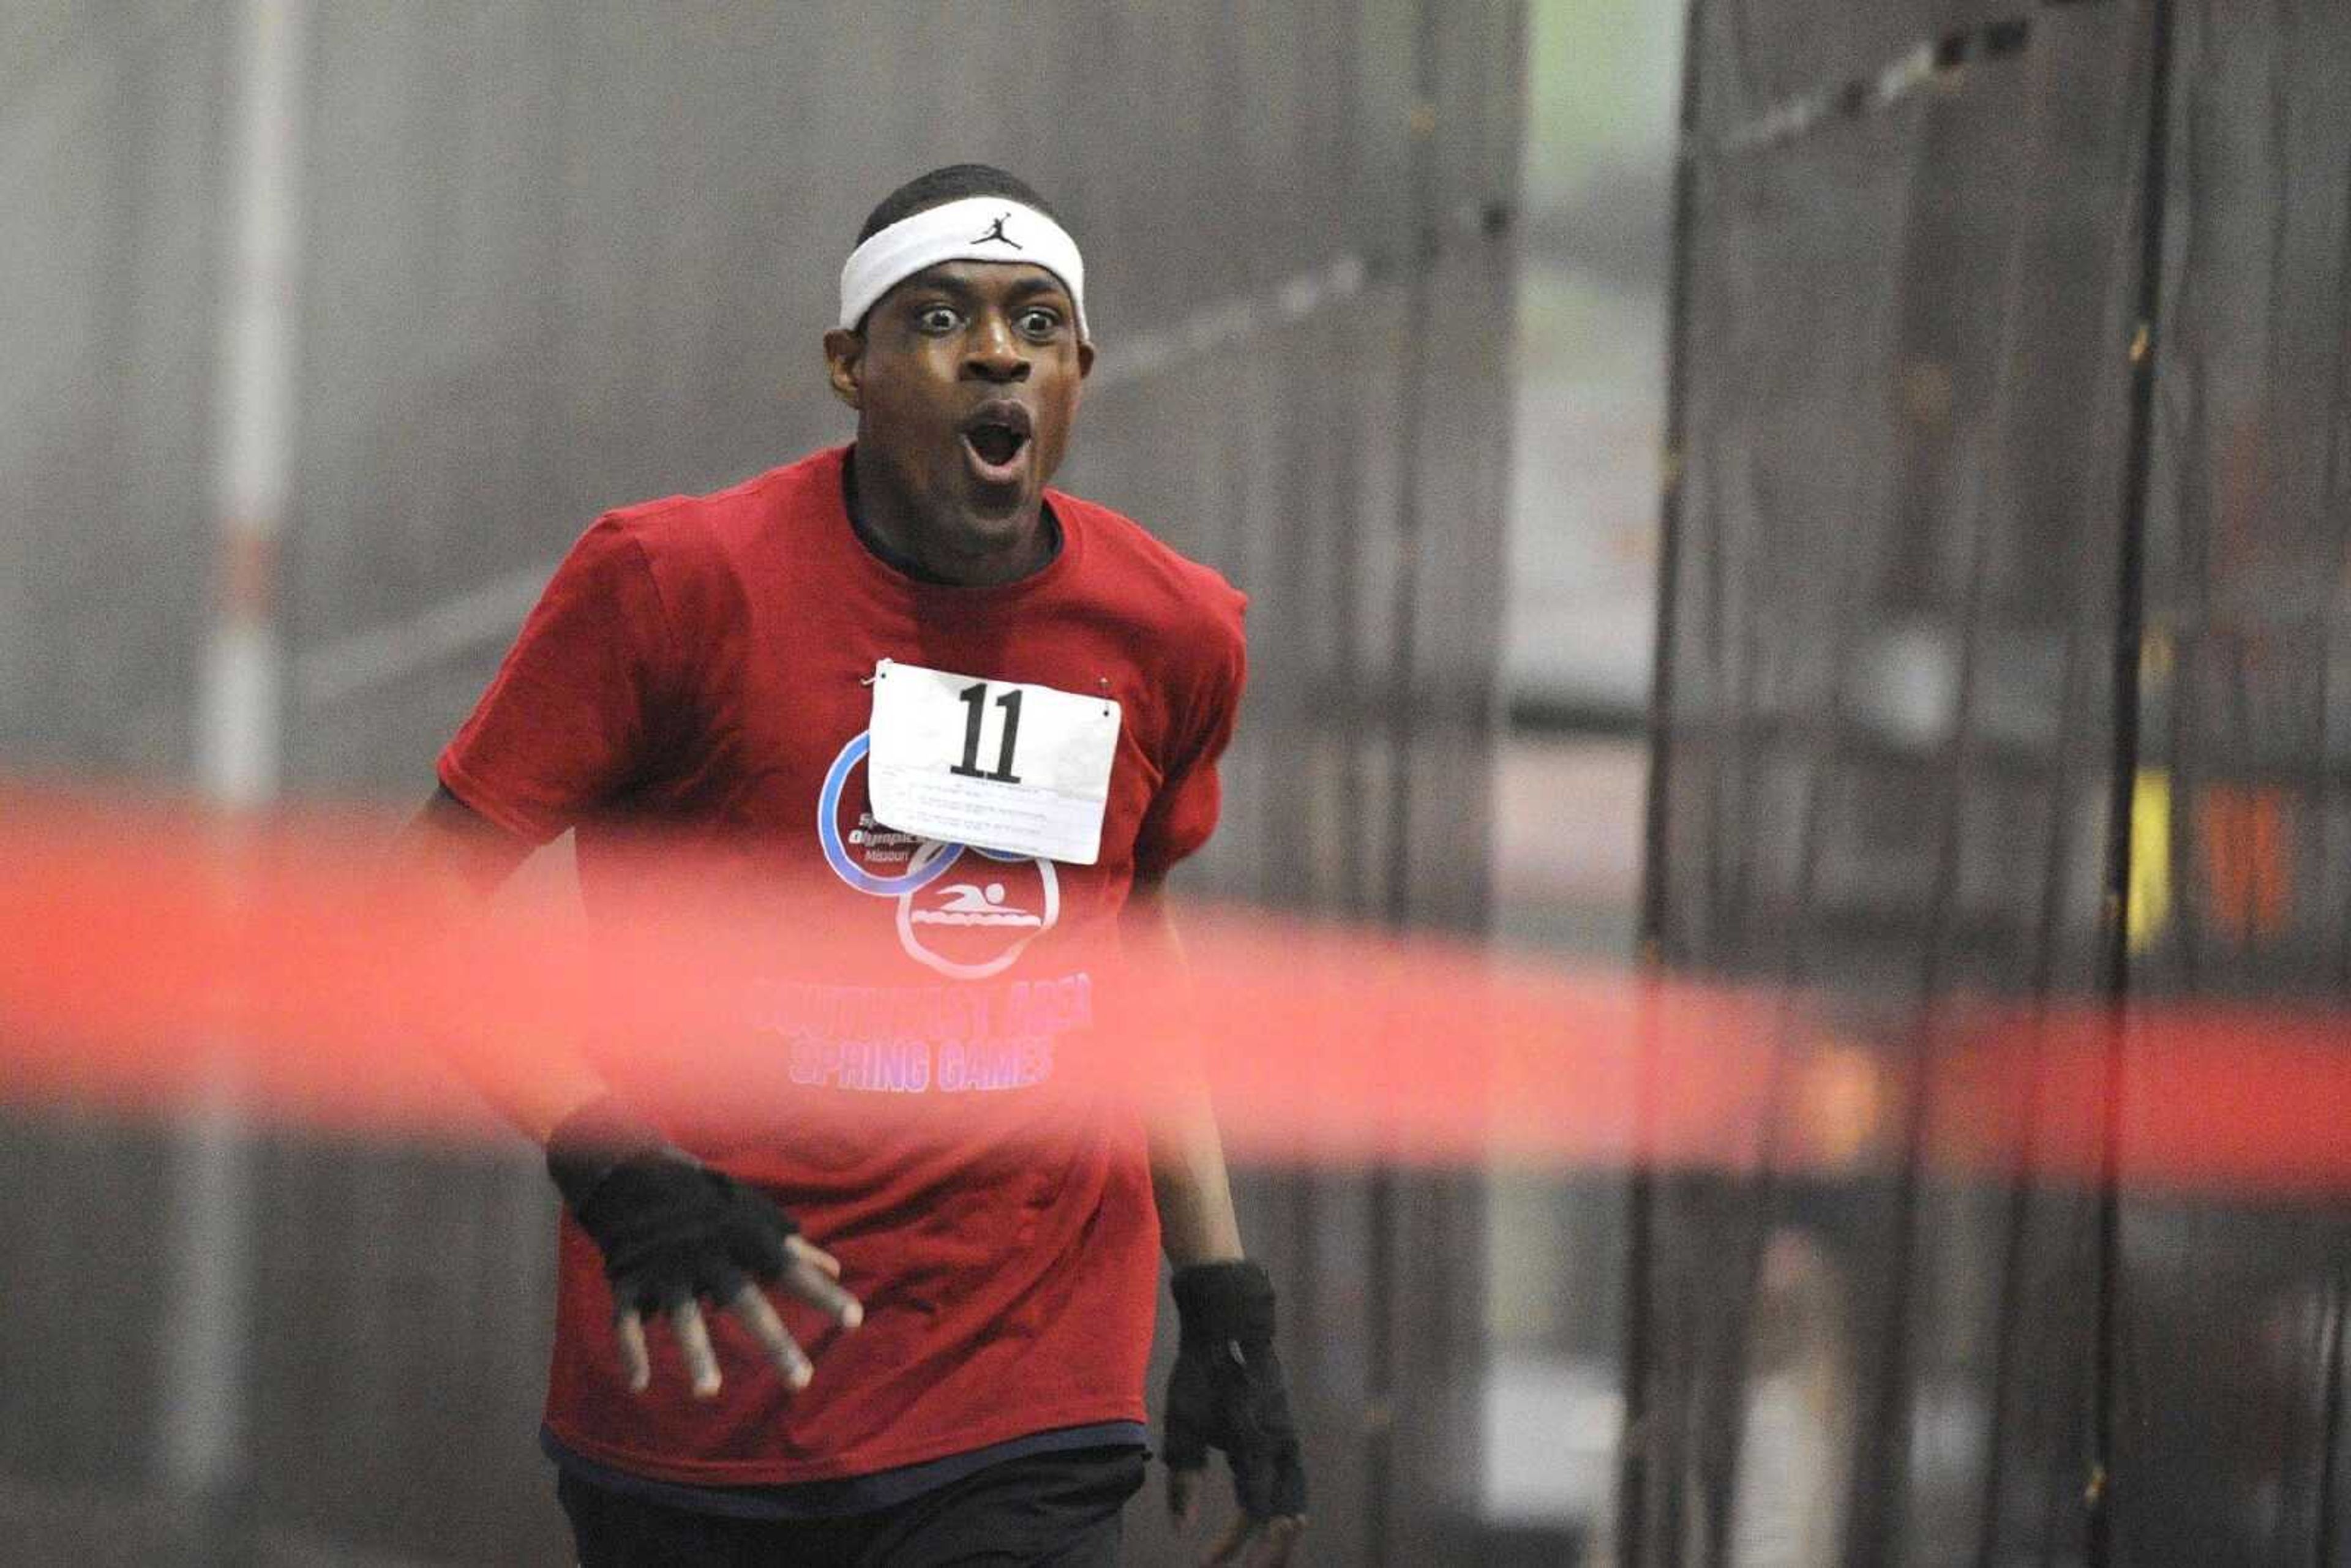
<point x="700" y="662"/>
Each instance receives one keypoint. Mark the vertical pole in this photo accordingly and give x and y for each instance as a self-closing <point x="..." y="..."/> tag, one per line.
<point x="202" y="1448"/>
<point x="2008" y="1330"/>
<point x="1386" y="1297"/>
<point x="1640" y="1197"/>
<point x="1672" y="489"/>
<point x="2114" y="956"/>
<point x="243" y="673"/>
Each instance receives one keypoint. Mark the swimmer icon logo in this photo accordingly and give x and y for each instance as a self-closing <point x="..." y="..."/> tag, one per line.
<point x="967" y="903"/>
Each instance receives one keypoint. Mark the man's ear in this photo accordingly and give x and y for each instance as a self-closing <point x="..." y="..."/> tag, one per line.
<point x="1085" y="359"/>
<point x="844" y="363"/>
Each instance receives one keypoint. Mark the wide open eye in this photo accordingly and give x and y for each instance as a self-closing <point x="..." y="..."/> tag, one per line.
<point x="1039" y="322"/>
<point x="937" y="319"/>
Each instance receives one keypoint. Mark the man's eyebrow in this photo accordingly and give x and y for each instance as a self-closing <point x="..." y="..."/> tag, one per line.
<point x="1040" y="283"/>
<point x="961" y="289"/>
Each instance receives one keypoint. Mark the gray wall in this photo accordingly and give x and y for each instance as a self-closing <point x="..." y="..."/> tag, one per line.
<point x="555" y="258"/>
<point x="111" y="123"/>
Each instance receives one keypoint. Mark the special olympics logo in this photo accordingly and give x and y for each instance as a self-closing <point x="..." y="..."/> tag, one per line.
<point x="967" y="927"/>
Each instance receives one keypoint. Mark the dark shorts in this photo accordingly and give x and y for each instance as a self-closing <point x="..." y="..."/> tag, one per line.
<point x="1043" y="1511"/>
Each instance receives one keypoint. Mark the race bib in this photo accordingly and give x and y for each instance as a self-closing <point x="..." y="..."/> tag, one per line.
<point x="1018" y="769"/>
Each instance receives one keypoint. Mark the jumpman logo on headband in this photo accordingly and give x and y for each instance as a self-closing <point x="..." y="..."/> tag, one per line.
<point x="995" y="231"/>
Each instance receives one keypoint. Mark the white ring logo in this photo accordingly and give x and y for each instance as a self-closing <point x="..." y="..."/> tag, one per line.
<point x="969" y="904"/>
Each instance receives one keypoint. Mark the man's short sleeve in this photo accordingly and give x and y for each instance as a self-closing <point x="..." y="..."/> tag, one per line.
<point x="565" y="724"/>
<point x="1184" y="813"/>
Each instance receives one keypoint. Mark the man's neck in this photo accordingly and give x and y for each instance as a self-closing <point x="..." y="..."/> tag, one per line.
<point x="932" y="550"/>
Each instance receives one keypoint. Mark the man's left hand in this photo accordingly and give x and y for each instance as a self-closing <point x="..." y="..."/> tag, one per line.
<point x="1227" y="1392"/>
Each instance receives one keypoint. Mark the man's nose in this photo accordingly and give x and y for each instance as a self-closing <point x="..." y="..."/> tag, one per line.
<point x="996" y="354"/>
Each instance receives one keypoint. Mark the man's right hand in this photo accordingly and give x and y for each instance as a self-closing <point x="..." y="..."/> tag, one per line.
<point x="674" y="1234"/>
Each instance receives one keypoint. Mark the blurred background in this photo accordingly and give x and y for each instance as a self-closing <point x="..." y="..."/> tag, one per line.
<point x="1845" y="495"/>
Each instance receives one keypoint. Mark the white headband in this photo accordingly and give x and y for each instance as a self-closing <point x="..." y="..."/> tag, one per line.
<point x="977" y="228"/>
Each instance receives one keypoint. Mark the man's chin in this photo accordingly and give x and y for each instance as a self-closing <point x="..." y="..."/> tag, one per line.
<point x="997" y="511"/>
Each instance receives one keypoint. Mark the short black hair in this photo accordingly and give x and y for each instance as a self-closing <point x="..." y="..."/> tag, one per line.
<point x="951" y="184"/>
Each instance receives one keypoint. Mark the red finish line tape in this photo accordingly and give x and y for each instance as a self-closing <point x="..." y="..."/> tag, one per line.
<point x="149" y="958"/>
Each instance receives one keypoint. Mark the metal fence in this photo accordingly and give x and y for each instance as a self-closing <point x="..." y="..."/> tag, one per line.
<point x="550" y="258"/>
<point x="2006" y="636"/>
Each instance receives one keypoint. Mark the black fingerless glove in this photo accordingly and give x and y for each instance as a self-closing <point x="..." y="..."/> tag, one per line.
<point x="670" y="1229"/>
<point x="1227" y="1390"/>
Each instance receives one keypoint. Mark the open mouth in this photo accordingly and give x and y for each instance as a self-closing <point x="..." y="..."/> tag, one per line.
<point x="998" y="435"/>
<point x="996" y="444"/>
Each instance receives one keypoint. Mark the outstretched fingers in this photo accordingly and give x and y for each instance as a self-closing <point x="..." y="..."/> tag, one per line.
<point x="807" y="1271"/>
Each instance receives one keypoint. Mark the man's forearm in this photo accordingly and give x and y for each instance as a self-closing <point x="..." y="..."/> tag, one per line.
<point x="461" y="859"/>
<point x="537" y="1089"/>
<point x="1197" y="1224"/>
<point x="1188" y="1156"/>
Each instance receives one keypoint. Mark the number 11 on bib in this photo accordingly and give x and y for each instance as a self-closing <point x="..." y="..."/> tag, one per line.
<point x="1002" y="766"/>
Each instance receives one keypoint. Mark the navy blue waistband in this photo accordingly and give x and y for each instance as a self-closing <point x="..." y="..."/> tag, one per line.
<point x="849" y="1494"/>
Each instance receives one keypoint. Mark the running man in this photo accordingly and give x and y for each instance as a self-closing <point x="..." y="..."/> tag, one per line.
<point x="980" y="719"/>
